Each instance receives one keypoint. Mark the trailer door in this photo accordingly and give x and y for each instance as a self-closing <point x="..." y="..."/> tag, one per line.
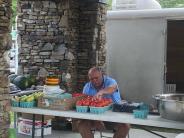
<point x="175" y="54"/>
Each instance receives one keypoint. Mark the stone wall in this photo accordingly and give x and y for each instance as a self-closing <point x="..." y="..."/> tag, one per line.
<point x="5" y="45"/>
<point x="48" y="36"/>
<point x="64" y="37"/>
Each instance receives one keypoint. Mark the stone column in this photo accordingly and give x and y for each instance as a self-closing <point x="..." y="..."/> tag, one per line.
<point x="5" y="45"/>
<point x="72" y="42"/>
<point x="91" y="50"/>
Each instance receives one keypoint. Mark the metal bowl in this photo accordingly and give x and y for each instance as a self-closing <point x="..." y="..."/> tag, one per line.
<point x="171" y="106"/>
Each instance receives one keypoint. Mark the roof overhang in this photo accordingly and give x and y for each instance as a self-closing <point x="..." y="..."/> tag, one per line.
<point x="148" y="13"/>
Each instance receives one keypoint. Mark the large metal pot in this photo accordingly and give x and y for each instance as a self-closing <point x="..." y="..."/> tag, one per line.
<point x="171" y="106"/>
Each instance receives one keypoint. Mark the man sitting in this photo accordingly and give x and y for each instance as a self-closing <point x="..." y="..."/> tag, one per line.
<point x="100" y="86"/>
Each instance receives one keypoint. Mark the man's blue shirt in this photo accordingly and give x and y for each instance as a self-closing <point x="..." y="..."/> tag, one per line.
<point x="89" y="89"/>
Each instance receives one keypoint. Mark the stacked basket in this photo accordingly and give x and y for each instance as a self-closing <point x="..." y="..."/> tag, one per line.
<point x="93" y="106"/>
<point x="142" y="112"/>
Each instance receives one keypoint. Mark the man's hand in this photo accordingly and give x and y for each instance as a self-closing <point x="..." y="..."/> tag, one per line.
<point x="108" y="90"/>
<point x="99" y="95"/>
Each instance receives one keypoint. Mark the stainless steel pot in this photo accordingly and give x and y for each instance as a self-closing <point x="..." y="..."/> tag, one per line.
<point x="171" y="106"/>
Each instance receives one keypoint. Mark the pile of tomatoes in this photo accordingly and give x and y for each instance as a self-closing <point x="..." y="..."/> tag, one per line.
<point x="90" y="101"/>
<point x="77" y="94"/>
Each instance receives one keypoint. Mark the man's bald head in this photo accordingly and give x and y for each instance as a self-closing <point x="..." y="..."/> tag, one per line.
<point x="94" y="70"/>
<point x="95" y="76"/>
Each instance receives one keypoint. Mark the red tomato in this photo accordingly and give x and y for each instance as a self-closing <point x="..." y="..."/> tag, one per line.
<point x="99" y="105"/>
<point x="79" y="103"/>
<point x="110" y="100"/>
<point x="105" y="102"/>
<point x="86" y="103"/>
<point x="93" y="104"/>
<point x="75" y="94"/>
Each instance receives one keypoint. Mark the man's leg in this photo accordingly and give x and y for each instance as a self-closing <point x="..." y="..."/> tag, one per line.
<point x="121" y="130"/>
<point x="84" y="128"/>
<point x="98" y="125"/>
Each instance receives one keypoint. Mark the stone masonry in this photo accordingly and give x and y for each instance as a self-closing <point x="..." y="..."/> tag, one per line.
<point x="5" y="45"/>
<point x="63" y="37"/>
<point x="91" y="50"/>
<point x="47" y="38"/>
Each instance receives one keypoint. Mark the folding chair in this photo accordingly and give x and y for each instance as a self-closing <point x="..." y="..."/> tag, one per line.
<point x="170" y="88"/>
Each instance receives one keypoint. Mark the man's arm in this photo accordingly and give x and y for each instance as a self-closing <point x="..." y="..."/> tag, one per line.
<point x="108" y="90"/>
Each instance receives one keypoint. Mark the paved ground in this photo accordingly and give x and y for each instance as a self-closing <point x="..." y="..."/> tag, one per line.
<point x="134" y="133"/>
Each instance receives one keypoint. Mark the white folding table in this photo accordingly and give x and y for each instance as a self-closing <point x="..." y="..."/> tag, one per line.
<point x="109" y="116"/>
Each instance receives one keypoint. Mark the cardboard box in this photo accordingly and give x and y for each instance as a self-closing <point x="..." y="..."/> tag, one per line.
<point x="25" y="127"/>
<point x="58" y="104"/>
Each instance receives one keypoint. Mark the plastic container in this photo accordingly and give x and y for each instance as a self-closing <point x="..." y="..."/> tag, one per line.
<point x="97" y="110"/>
<point x="27" y="104"/>
<point x="142" y="114"/>
<point x="144" y="106"/>
<point x="82" y="109"/>
<point x="14" y="103"/>
<point x="109" y="107"/>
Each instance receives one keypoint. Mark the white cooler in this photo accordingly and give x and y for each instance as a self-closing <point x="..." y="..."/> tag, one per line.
<point x="25" y="127"/>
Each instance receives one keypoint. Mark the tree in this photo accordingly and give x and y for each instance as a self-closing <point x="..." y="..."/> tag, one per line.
<point x="163" y="3"/>
<point x="14" y="14"/>
<point x="109" y="4"/>
<point x="171" y="3"/>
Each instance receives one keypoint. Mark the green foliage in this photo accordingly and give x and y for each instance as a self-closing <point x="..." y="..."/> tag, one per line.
<point x="171" y="3"/>
<point x="109" y="4"/>
<point x="163" y="3"/>
<point x="14" y="8"/>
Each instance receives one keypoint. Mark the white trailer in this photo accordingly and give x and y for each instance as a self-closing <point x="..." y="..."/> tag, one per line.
<point x="145" y="50"/>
